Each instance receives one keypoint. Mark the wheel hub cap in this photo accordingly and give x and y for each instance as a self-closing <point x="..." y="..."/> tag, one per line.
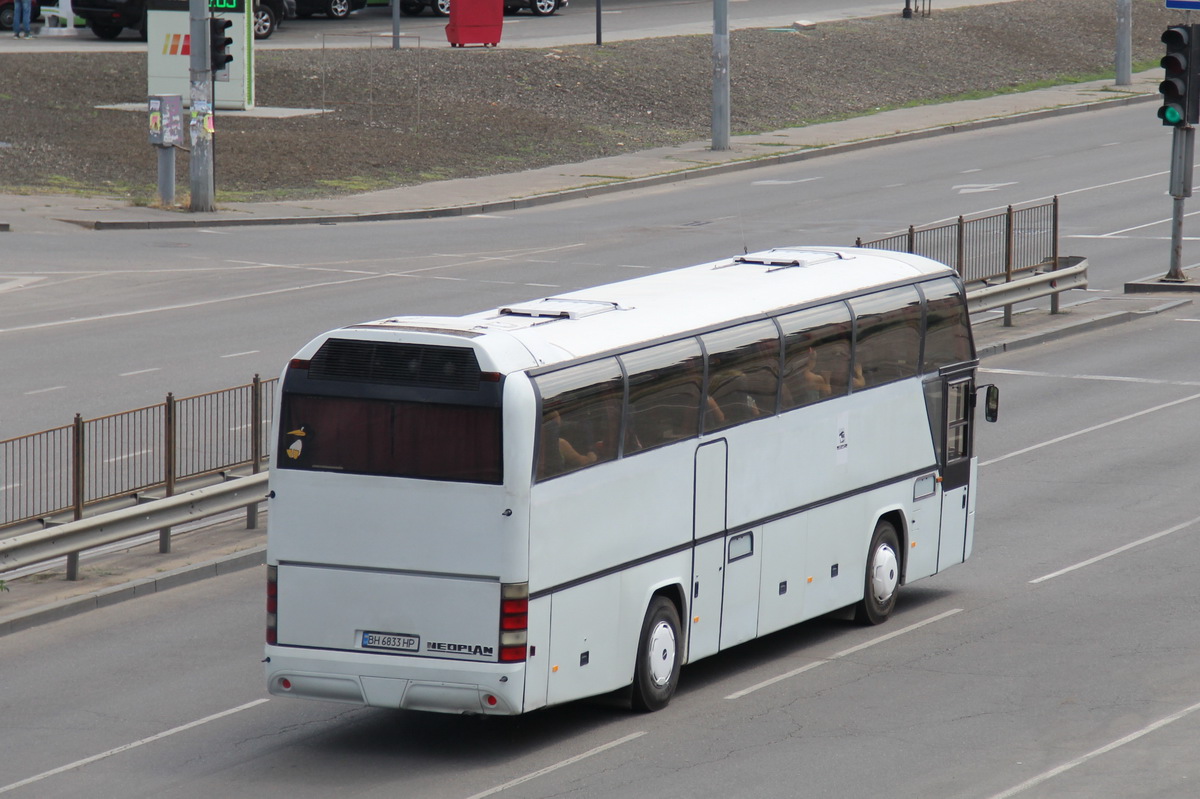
<point x="661" y="653"/>
<point x="885" y="574"/>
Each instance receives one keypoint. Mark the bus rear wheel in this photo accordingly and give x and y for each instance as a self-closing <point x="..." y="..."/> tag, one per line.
<point x="658" y="659"/>
<point x="882" y="581"/>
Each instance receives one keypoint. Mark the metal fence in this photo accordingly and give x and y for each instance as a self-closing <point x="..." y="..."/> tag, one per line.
<point x="988" y="248"/>
<point x="59" y="474"/>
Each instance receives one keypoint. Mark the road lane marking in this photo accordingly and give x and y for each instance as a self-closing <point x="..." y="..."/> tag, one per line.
<point x="1033" y="782"/>
<point x="240" y="354"/>
<point x="1152" y="381"/>
<point x="1117" y="551"/>
<point x="558" y="765"/>
<point x="44" y="390"/>
<point x="183" y="306"/>
<point x="842" y="654"/>
<point x="126" y="747"/>
<point x="1091" y="429"/>
<point x="140" y="372"/>
<point x="128" y="456"/>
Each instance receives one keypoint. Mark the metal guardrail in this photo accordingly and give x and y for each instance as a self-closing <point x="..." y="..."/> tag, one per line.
<point x="1069" y="273"/>
<point x="1010" y="247"/>
<point x="96" y="466"/>
<point x="73" y="537"/>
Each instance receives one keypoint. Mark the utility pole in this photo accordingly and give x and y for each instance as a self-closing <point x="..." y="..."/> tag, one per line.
<point x="1124" y="42"/>
<point x="200" y="166"/>
<point x="720" y="103"/>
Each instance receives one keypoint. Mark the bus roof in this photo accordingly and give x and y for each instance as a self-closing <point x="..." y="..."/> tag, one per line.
<point x="620" y="315"/>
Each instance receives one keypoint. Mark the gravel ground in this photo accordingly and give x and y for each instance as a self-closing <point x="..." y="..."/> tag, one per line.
<point x="412" y="116"/>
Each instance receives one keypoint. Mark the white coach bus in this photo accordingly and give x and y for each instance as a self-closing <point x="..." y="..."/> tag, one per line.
<point x="503" y="511"/>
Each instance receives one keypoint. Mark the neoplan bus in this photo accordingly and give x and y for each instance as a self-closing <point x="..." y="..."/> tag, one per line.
<point x="562" y="498"/>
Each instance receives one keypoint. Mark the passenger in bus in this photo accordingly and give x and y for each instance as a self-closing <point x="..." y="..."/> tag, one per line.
<point x="558" y="454"/>
<point x="805" y="383"/>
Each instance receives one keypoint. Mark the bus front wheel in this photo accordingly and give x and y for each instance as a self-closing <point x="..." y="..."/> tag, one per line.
<point x="658" y="659"/>
<point x="882" y="581"/>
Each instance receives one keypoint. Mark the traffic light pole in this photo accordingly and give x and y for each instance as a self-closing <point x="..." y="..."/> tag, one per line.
<point x="1182" y="148"/>
<point x="200" y="165"/>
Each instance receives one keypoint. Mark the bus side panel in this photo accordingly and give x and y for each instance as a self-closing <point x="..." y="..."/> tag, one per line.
<point x="974" y="481"/>
<point x="610" y="514"/>
<point x="584" y="641"/>
<point x="813" y="453"/>
<point x="595" y="627"/>
<point x="537" y="665"/>
<point x="838" y="537"/>
<point x="924" y="529"/>
<point x="781" y="601"/>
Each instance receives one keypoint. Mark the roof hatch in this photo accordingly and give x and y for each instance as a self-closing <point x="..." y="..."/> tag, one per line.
<point x="783" y="259"/>
<point x="558" y="308"/>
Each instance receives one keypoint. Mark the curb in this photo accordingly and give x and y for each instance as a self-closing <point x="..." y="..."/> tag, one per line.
<point x="1083" y="326"/>
<point x="584" y="192"/>
<point x="116" y="594"/>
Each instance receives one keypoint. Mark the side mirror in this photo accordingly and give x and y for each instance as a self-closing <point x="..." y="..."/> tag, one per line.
<point x="991" y="405"/>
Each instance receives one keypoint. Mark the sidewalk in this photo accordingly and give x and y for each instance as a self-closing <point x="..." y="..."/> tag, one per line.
<point x="49" y="213"/>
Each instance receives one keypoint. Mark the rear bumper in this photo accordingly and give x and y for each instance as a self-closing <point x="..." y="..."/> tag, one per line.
<point x="389" y="681"/>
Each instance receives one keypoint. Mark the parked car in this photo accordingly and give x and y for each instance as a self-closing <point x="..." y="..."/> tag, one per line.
<point x="6" y="13"/>
<point x="109" y="18"/>
<point x="334" y="9"/>
<point x="441" y="8"/>
<point x="269" y="14"/>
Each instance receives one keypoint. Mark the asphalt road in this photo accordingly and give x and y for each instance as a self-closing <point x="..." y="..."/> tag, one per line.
<point x="1058" y="661"/>
<point x="106" y="322"/>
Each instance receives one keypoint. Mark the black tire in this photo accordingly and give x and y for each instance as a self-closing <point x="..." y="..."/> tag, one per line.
<point x="7" y="17"/>
<point x="411" y="8"/>
<point x="440" y="8"/>
<point x="106" y="30"/>
<point x="659" y="657"/>
<point x="882" y="581"/>
<point x="264" y="21"/>
<point x="338" y="9"/>
<point x="543" y="8"/>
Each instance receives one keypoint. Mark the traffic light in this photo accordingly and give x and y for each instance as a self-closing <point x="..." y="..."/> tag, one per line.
<point x="1181" y="85"/>
<point x="218" y="44"/>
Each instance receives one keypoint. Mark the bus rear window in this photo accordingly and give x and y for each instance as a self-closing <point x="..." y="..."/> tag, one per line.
<point x="390" y="438"/>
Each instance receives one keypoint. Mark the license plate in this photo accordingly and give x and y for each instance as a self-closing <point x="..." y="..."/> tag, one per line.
<point x="399" y="642"/>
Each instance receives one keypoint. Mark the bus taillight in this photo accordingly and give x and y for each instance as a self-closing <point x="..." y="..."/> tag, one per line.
<point x="514" y="622"/>
<point x="272" y="604"/>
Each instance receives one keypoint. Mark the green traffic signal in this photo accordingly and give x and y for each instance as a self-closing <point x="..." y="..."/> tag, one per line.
<point x="1181" y="87"/>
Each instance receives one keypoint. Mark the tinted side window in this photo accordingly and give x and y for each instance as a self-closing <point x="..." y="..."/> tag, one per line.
<point x="581" y="417"/>
<point x="743" y="374"/>
<point x="664" y="394"/>
<point x="947" y="327"/>
<point x="816" y="351"/>
<point x="888" y="335"/>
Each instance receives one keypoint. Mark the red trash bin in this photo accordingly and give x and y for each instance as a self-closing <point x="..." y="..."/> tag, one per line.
<point x="475" y="22"/>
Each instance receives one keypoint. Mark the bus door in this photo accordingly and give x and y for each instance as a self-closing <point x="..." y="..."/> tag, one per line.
<point x="958" y="393"/>
<point x="708" y="556"/>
